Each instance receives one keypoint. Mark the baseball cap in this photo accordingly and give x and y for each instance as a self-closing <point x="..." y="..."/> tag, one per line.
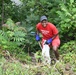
<point x="43" y="18"/>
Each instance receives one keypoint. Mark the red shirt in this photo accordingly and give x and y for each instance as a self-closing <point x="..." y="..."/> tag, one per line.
<point x="47" y="32"/>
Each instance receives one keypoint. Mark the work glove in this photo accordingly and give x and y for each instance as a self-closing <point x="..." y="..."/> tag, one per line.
<point x="37" y="37"/>
<point x="48" y="41"/>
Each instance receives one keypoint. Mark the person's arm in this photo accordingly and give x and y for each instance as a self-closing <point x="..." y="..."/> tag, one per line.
<point x="37" y="31"/>
<point x="37" y="34"/>
<point x="55" y="35"/>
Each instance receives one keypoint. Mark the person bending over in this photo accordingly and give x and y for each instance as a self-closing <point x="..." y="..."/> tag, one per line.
<point x="48" y="31"/>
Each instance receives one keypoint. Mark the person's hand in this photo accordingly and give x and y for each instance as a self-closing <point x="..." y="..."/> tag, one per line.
<point x="37" y="37"/>
<point x="48" y="41"/>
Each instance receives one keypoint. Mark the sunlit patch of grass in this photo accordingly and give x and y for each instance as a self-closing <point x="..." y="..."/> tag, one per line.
<point x="15" y="67"/>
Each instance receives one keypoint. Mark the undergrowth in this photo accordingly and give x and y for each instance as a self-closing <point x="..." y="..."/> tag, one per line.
<point x="23" y="65"/>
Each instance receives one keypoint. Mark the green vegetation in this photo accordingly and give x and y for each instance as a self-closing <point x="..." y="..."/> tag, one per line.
<point x="19" y="51"/>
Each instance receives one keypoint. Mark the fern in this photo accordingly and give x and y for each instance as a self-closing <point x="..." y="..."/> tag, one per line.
<point x="12" y="36"/>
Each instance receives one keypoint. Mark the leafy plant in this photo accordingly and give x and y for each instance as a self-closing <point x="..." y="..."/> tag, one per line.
<point x="68" y="47"/>
<point x="67" y="22"/>
<point x="12" y="37"/>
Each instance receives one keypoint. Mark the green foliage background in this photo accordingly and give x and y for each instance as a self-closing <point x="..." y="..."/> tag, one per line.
<point x="18" y="22"/>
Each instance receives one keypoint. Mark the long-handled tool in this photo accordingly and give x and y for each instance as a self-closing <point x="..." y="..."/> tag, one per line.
<point x="40" y="45"/>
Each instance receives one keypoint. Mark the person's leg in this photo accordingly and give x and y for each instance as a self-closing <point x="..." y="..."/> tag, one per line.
<point x="55" y="45"/>
<point x="55" y="48"/>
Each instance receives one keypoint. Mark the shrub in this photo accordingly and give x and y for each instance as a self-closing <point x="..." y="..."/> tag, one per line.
<point x="68" y="47"/>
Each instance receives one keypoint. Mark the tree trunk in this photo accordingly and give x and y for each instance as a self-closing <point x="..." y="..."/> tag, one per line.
<point x="2" y="12"/>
